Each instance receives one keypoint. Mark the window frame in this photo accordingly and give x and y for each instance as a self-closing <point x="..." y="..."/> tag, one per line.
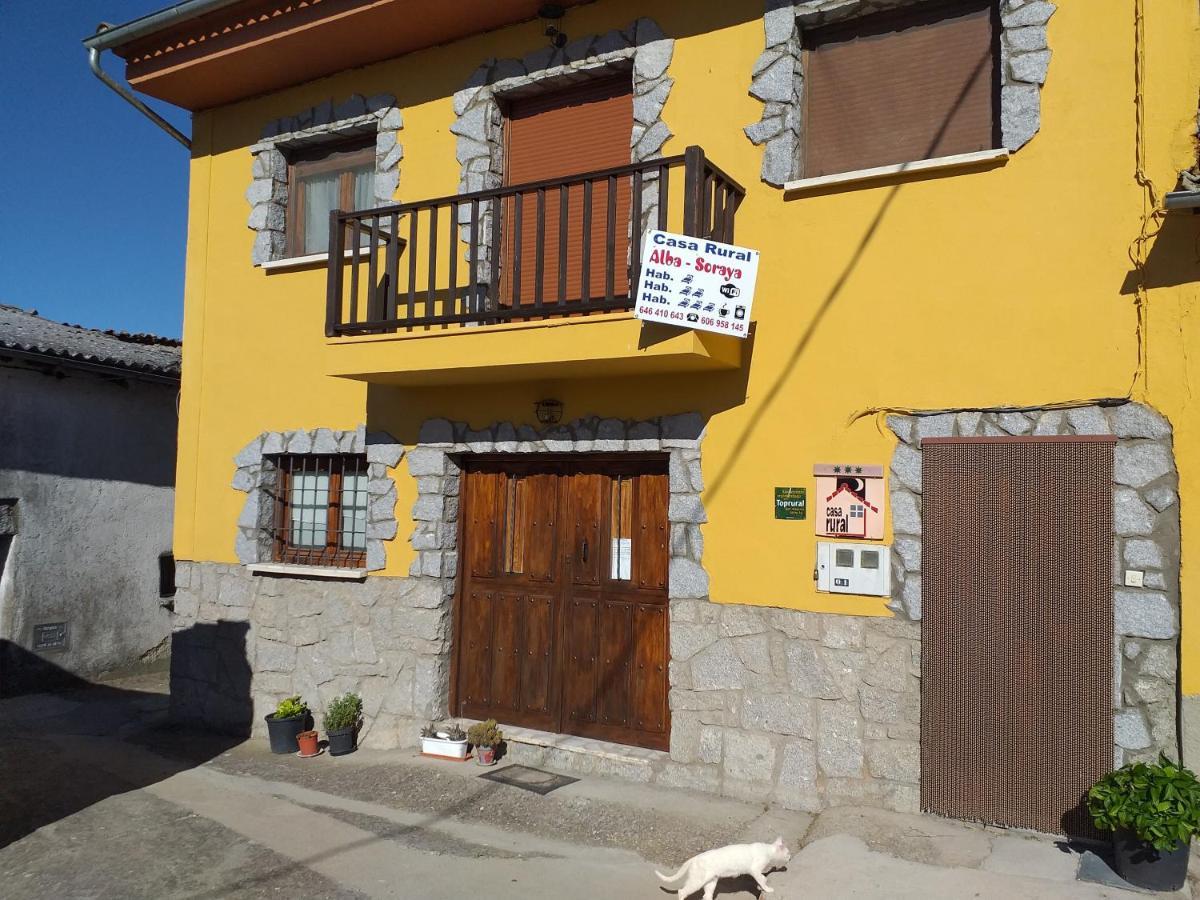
<point x="333" y="555"/>
<point x="341" y="157"/>
<point x="919" y="14"/>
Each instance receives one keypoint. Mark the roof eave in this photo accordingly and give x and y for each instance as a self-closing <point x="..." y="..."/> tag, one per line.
<point x="116" y="36"/>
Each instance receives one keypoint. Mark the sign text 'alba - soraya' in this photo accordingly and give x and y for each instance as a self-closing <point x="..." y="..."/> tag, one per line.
<point x="696" y="283"/>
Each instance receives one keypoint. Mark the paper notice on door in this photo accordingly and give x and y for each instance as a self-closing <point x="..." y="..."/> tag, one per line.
<point x="622" y="559"/>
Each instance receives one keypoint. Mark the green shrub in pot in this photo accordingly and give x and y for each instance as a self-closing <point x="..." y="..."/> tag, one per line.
<point x="485" y="737"/>
<point x="289" y="719"/>
<point x="342" y="718"/>
<point x="1153" y="811"/>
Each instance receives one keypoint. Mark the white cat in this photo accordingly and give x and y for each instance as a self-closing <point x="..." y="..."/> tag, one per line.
<point x="704" y="869"/>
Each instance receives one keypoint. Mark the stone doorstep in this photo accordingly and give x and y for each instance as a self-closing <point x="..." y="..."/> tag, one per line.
<point x="587" y="747"/>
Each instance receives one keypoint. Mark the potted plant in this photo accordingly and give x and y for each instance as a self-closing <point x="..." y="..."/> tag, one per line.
<point x="1152" y="811"/>
<point x="342" y="719"/>
<point x="485" y="737"/>
<point x="308" y="743"/>
<point x="289" y="719"/>
<point x="449" y="742"/>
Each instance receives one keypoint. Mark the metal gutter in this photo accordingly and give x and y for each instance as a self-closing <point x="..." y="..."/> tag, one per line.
<point x="126" y="94"/>
<point x="106" y="38"/>
<point x="1183" y="200"/>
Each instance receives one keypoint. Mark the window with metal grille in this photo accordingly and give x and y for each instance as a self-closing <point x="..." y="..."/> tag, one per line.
<point x="320" y="510"/>
<point x="901" y="86"/>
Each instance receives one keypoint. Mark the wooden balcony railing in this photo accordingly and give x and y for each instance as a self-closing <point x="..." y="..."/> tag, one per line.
<point x="563" y="247"/>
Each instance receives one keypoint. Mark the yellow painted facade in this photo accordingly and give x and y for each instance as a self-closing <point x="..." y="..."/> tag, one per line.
<point x="1005" y="286"/>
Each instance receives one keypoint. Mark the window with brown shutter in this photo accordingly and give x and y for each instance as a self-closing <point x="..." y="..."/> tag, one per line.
<point x="901" y="86"/>
<point x="583" y="128"/>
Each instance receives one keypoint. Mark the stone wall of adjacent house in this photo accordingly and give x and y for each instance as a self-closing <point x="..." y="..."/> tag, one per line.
<point x="778" y="77"/>
<point x="244" y="641"/>
<point x="1145" y="538"/>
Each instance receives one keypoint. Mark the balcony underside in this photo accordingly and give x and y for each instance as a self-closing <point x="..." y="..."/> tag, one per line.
<point x="602" y="345"/>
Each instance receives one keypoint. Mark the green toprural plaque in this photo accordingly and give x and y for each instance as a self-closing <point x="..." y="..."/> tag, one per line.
<point x="791" y="503"/>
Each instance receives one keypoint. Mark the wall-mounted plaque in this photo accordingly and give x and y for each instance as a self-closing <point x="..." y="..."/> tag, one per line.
<point x="850" y="501"/>
<point x="791" y="503"/>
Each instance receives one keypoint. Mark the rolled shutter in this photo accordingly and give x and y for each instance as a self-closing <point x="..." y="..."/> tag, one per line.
<point x="584" y="128"/>
<point x="900" y="87"/>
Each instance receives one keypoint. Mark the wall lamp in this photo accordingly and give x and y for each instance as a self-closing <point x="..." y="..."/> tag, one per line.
<point x="551" y="13"/>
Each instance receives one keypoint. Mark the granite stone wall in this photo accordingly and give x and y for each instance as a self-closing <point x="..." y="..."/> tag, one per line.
<point x="778" y="76"/>
<point x="806" y="710"/>
<point x="387" y="638"/>
<point x="1145" y="538"/>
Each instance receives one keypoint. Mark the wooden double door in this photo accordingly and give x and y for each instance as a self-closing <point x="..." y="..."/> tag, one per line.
<point x="561" y="619"/>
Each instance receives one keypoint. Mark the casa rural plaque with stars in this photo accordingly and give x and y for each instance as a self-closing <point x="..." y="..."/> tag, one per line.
<point x="696" y="283"/>
<point x="849" y="502"/>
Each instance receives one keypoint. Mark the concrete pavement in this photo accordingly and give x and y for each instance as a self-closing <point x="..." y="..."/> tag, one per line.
<point x="100" y="799"/>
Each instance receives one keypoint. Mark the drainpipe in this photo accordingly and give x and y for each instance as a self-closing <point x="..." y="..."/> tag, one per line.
<point x="126" y="94"/>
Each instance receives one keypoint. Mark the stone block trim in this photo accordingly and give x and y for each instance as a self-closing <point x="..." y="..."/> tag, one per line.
<point x="386" y="638"/>
<point x="325" y="122"/>
<point x="256" y="475"/>
<point x="1145" y="536"/>
<point x="479" y="123"/>
<point x="433" y="462"/>
<point x="777" y="77"/>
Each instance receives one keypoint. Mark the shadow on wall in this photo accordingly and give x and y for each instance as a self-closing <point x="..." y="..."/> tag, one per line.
<point x="1174" y="257"/>
<point x="67" y="750"/>
<point x="210" y="679"/>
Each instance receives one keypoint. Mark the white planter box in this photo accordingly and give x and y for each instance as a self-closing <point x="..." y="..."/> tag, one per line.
<point x="444" y="747"/>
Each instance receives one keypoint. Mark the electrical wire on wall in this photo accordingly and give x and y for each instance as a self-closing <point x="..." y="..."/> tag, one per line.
<point x="1152" y="211"/>
<point x="1151" y="222"/>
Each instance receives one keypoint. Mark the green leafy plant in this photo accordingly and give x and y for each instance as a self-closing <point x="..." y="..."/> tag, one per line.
<point x="485" y="734"/>
<point x="429" y="731"/>
<point x="343" y="712"/>
<point x="1159" y="803"/>
<point x="454" y="732"/>
<point x="290" y="707"/>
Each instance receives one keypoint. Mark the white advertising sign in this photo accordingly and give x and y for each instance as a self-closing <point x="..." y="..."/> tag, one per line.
<point x="696" y="283"/>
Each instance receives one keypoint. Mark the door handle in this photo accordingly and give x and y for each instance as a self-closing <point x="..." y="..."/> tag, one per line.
<point x="584" y="549"/>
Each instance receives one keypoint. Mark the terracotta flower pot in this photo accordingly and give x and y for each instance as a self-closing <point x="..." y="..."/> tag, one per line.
<point x="308" y="743"/>
<point x="485" y="756"/>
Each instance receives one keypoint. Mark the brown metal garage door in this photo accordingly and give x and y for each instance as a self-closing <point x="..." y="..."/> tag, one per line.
<point x="1017" y="632"/>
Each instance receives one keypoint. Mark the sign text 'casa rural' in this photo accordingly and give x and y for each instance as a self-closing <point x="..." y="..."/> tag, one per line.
<point x="696" y="283"/>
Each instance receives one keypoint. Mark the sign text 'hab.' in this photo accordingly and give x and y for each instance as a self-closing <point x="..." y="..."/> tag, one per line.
<point x="850" y="501"/>
<point x="696" y="283"/>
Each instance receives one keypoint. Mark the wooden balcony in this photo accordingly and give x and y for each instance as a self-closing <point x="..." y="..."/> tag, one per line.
<point x="565" y="248"/>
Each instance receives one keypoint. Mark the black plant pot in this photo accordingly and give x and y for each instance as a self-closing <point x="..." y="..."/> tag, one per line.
<point x="282" y="732"/>
<point x="342" y="740"/>
<point x="1143" y="866"/>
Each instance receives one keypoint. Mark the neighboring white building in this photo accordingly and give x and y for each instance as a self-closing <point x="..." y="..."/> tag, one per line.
<point x="87" y="486"/>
